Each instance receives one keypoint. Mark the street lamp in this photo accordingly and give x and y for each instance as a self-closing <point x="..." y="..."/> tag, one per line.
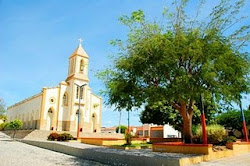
<point x="119" y="131"/>
<point x="78" y="121"/>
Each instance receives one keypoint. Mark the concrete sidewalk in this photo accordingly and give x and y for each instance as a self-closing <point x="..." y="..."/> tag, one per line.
<point x="241" y="160"/>
<point x="142" y="157"/>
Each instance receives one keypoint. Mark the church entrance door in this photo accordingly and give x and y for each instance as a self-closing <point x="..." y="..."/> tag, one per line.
<point x="94" y="123"/>
<point x="49" y="119"/>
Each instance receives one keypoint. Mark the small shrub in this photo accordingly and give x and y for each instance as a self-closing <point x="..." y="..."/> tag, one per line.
<point x="15" y="125"/>
<point x="128" y="138"/>
<point x="65" y="137"/>
<point x="228" y="139"/>
<point x="53" y="136"/>
<point x="215" y="134"/>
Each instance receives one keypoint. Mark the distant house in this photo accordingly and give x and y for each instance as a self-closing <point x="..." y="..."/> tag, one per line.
<point x="108" y="129"/>
<point x="155" y="131"/>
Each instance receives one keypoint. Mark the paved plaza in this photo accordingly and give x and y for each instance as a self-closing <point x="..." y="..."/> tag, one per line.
<point x="14" y="153"/>
<point x="241" y="160"/>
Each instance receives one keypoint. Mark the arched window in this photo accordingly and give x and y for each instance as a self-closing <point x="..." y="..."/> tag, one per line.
<point x="65" y="99"/>
<point x="81" y="65"/>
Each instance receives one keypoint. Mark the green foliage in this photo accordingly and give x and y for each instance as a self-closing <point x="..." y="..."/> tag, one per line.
<point x="123" y="129"/>
<point x="195" y="129"/>
<point x="128" y="138"/>
<point x="65" y="137"/>
<point x="15" y="124"/>
<point x="53" y="136"/>
<point x="215" y="134"/>
<point x="162" y="113"/>
<point x="180" y="60"/>
<point x="228" y="139"/>
<point x="4" y="126"/>
<point x="232" y="119"/>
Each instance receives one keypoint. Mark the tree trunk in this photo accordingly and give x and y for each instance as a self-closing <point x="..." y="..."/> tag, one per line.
<point x="187" y="129"/>
<point x="187" y="122"/>
<point x="14" y="134"/>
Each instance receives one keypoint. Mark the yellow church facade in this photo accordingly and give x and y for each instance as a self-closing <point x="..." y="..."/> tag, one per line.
<point x="56" y="108"/>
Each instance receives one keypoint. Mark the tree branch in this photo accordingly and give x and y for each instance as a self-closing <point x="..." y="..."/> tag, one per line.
<point x="176" y="106"/>
<point x="191" y="107"/>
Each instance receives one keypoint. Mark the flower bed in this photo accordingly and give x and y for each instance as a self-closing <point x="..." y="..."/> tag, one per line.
<point x="60" y="137"/>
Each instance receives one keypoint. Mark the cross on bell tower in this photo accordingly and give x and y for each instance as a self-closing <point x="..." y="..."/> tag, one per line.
<point x="80" y="41"/>
<point x="78" y="64"/>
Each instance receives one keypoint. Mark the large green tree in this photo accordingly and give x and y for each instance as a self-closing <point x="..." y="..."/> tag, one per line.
<point x="179" y="59"/>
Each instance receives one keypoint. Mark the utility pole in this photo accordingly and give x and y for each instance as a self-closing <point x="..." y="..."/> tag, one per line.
<point x="128" y="122"/>
<point x="78" y="115"/>
<point x="119" y="131"/>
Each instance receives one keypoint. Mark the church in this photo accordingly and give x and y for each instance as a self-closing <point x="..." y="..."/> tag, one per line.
<point x="57" y="108"/>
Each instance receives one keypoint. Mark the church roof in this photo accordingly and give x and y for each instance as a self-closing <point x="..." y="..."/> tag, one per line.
<point x="80" y="51"/>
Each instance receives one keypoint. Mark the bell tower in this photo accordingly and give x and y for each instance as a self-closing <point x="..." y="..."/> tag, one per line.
<point x="78" y="75"/>
<point x="78" y="64"/>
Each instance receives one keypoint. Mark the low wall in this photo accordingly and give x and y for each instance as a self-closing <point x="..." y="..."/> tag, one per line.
<point x="239" y="148"/>
<point x="139" y="140"/>
<point x="183" y="148"/>
<point x="20" y="134"/>
<point x="101" y="135"/>
<point x="103" y="141"/>
<point x="107" y="155"/>
<point x="206" y="150"/>
<point x="110" y="141"/>
<point x="156" y="140"/>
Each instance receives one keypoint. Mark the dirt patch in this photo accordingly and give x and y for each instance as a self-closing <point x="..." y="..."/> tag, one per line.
<point x="219" y="148"/>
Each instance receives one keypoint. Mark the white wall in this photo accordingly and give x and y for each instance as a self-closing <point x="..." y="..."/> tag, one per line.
<point x="95" y="107"/>
<point x="24" y="111"/>
<point x="170" y="131"/>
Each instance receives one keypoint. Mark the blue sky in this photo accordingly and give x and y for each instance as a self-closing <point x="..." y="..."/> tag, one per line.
<point x="37" y="37"/>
